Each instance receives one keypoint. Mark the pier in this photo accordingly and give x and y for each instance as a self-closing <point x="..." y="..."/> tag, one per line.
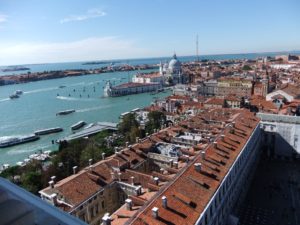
<point x="98" y="127"/>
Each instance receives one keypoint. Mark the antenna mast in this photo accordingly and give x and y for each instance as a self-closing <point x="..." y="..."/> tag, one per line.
<point x="197" y="51"/>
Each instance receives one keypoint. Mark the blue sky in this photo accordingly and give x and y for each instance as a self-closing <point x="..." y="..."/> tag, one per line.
<point x="37" y="31"/>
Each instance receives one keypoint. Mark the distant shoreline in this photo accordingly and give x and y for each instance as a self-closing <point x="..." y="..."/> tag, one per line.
<point x="47" y="75"/>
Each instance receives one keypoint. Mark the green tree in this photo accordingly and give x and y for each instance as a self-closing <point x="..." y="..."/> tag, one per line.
<point x="129" y="127"/>
<point x="246" y="67"/>
<point x="155" y="120"/>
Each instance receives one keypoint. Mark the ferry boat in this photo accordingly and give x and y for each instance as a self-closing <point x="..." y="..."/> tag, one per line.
<point x="18" y="140"/>
<point x="48" y="131"/>
<point x="18" y="92"/>
<point x="65" y="112"/>
<point x="78" y="125"/>
<point x="14" y="96"/>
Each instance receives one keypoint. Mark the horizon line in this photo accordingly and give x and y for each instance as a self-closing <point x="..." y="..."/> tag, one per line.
<point x="156" y="57"/>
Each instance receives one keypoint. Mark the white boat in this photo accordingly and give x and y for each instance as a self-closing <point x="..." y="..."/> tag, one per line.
<point x="18" y="92"/>
<point x="65" y="112"/>
<point x="48" y="131"/>
<point x="18" y="140"/>
<point x="78" y="125"/>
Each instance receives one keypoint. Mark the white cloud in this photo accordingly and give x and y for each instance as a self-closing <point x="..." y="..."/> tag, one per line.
<point x="3" y="18"/>
<point x="90" y="14"/>
<point x="87" y="49"/>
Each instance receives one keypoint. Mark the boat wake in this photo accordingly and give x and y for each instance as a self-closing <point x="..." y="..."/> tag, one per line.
<point x="75" y="99"/>
<point x="40" y="90"/>
<point x="93" y="108"/>
<point x="29" y="150"/>
<point x="4" y="99"/>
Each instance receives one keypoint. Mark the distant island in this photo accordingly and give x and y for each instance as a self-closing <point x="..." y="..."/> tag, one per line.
<point x="15" y="68"/>
<point x="47" y="75"/>
<point x="99" y="62"/>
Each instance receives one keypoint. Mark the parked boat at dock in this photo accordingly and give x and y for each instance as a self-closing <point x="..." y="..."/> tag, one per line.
<point x="18" y="140"/>
<point x="48" y="131"/>
<point x="65" y="112"/>
<point x="78" y="125"/>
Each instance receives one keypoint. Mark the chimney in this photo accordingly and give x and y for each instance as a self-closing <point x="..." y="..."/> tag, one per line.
<point x="116" y="149"/>
<point x="75" y="169"/>
<point x="197" y="167"/>
<point x="203" y="155"/>
<point x="106" y="220"/>
<point x="137" y="140"/>
<point x="51" y="184"/>
<point x="171" y="162"/>
<point x="176" y="165"/>
<point x="128" y="202"/>
<point x="54" y="199"/>
<point x="112" y="175"/>
<point x="156" y="180"/>
<point x="119" y="176"/>
<point x="127" y="143"/>
<point x="90" y="162"/>
<point x="132" y="180"/>
<point x="155" y="212"/>
<point x="53" y="178"/>
<point x="162" y="170"/>
<point x="222" y="137"/>
<point x="138" y="190"/>
<point x="147" y="134"/>
<point x="91" y="168"/>
<point x="215" y="144"/>
<point x="164" y="202"/>
<point x="103" y="156"/>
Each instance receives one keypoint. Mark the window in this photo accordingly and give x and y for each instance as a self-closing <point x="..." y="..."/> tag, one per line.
<point x="102" y="204"/>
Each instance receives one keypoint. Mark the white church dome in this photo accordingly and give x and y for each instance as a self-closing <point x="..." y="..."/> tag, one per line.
<point x="174" y="64"/>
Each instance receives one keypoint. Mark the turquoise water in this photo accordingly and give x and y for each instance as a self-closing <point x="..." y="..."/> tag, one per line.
<point x="37" y="108"/>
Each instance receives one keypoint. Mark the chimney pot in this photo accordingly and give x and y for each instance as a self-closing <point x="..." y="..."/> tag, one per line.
<point x="203" y="155"/>
<point x="127" y="143"/>
<point x="156" y="180"/>
<point x="197" y="167"/>
<point x="176" y="165"/>
<point x="132" y="180"/>
<point x="164" y="202"/>
<point x="53" y="178"/>
<point x="90" y="162"/>
<point x="106" y="220"/>
<point x="155" y="212"/>
<point x="171" y="162"/>
<point x="103" y="155"/>
<point x="128" y="202"/>
<point x="75" y="169"/>
<point x="162" y="170"/>
<point x="222" y="137"/>
<point x="215" y="144"/>
<point x="51" y="183"/>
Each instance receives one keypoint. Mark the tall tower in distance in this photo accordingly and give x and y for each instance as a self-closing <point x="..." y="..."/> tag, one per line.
<point x="197" y="50"/>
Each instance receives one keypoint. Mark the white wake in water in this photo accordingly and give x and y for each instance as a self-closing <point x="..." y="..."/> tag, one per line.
<point x="75" y="99"/>
<point x="4" y="99"/>
<point x="41" y="90"/>
<point x="93" y="108"/>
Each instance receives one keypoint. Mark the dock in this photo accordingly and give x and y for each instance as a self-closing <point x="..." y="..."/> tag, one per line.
<point x="98" y="127"/>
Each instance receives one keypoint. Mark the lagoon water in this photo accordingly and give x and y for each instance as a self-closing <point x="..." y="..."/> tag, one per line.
<point x="37" y="107"/>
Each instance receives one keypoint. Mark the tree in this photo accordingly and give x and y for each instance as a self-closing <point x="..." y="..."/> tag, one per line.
<point x="129" y="127"/>
<point x="246" y="67"/>
<point x="155" y="120"/>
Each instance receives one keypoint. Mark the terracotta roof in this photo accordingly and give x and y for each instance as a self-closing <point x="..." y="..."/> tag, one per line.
<point x="190" y="191"/>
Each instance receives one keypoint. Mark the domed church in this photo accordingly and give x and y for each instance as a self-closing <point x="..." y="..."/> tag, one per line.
<point x="172" y="71"/>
